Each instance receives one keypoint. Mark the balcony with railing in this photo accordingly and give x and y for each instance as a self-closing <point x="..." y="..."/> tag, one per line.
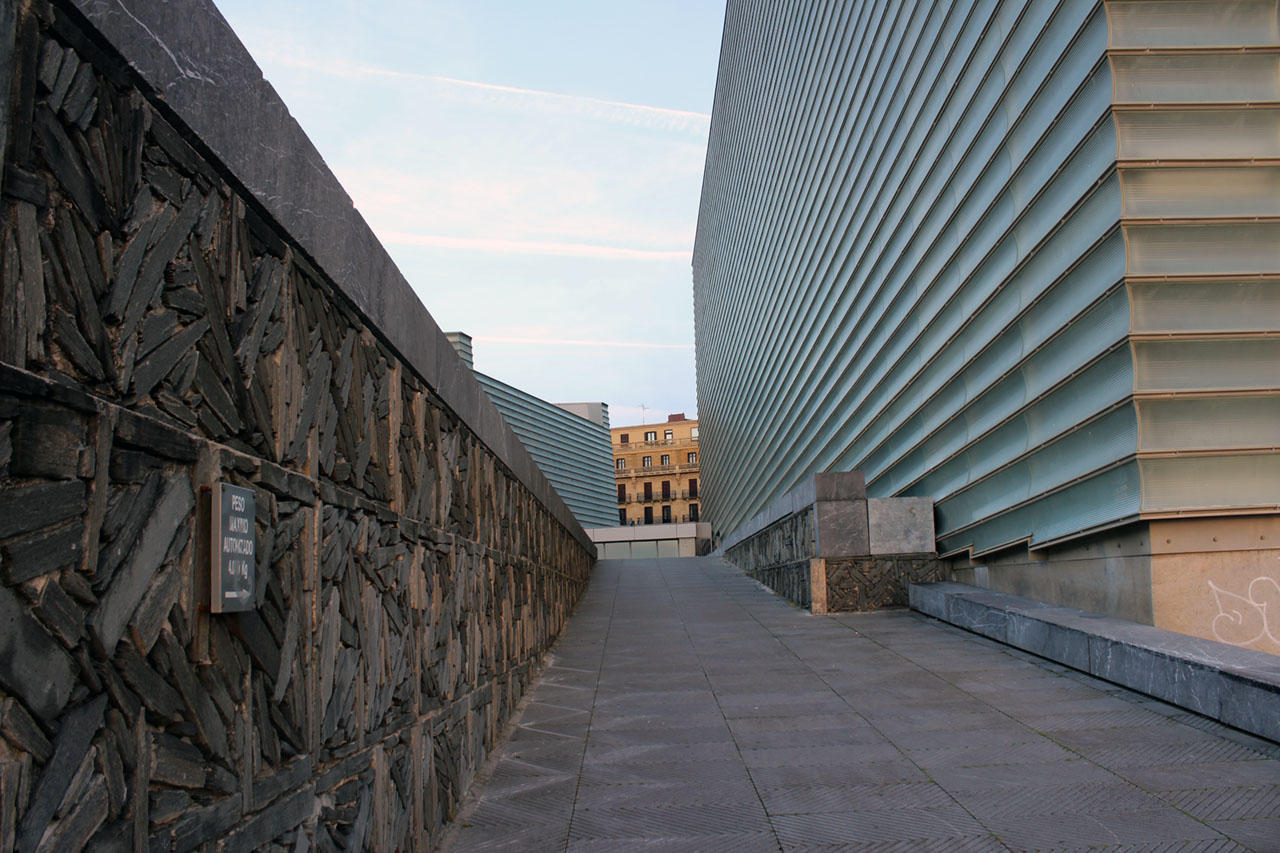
<point x="658" y="497"/>
<point x="690" y="467"/>
<point x="665" y="442"/>
<point x="675" y="519"/>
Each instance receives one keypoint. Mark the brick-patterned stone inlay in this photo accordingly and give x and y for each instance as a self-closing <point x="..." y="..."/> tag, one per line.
<point x="868" y="583"/>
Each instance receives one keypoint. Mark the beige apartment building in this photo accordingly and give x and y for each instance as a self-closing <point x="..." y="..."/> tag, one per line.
<point x="656" y="469"/>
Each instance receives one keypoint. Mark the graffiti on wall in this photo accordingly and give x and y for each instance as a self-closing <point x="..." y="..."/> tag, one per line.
<point x="1250" y="619"/>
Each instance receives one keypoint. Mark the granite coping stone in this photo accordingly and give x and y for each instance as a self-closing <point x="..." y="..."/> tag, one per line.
<point x="1236" y="686"/>
<point x="201" y="73"/>
<point x="821" y="486"/>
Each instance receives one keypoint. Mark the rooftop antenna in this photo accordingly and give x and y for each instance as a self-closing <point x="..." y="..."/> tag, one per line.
<point x="643" y="420"/>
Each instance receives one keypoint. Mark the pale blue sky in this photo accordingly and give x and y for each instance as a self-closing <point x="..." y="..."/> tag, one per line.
<point x="533" y="168"/>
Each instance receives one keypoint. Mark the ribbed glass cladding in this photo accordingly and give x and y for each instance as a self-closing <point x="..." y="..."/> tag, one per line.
<point x="574" y="454"/>
<point x="1019" y="257"/>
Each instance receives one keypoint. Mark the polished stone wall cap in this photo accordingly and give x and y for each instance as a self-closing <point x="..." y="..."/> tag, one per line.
<point x="1236" y="686"/>
<point x="839" y="486"/>
<point x="187" y="53"/>
<point x="822" y="486"/>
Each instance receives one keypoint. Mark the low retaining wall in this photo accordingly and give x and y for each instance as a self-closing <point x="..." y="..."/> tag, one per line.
<point x="826" y="547"/>
<point x="1239" y="687"/>
<point x="187" y="300"/>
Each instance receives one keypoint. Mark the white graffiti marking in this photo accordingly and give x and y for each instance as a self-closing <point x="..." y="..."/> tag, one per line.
<point x="1245" y="620"/>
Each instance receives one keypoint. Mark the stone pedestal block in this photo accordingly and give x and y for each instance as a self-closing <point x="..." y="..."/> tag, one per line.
<point x="841" y="528"/>
<point x="901" y="525"/>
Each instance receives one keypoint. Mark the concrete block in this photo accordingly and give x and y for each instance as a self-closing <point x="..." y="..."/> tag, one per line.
<point x="978" y="617"/>
<point x="841" y="529"/>
<point x="901" y="525"/>
<point x="1249" y="703"/>
<point x="929" y="599"/>
<point x="1239" y="687"/>
<point x="1055" y="642"/>
<point x="1179" y="682"/>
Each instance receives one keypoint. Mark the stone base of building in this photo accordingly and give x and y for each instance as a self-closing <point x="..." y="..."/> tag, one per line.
<point x="1216" y="578"/>
<point x="828" y="548"/>
<point x="870" y="583"/>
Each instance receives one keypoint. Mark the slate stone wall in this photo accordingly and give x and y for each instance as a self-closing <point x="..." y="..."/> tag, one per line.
<point x="160" y="333"/>
<point x="778" y="556"/>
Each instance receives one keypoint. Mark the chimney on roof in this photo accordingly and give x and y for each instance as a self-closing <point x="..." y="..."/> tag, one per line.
<point x="678" y="416"/>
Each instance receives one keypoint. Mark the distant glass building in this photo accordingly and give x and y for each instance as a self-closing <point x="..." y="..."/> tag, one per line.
<point x="570" y="442"/>
<point x="1020" y="257"/>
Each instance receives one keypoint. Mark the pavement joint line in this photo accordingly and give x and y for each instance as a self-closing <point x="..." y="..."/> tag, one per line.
<point x="1033" y="660"/>
<point x="595" y="696"/>
<point x="711" y="687"/>
<point x="821" y="677"/>
<point x="669" y="635"/>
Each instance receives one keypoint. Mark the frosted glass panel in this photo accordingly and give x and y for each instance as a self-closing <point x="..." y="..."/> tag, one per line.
<point x="1192" y="23"/>
<point x="1210" y="249"/>
<point x="1201" y="192"/>
<point x="1206" y="365"/>
<point x="614" y="550"/>
<point x="1204" y="306"/>
<point x="1208" y="423"/>
<point x="1210" y="482"/>
<point x="644" y="550"/>
<point x="1198" y="134"/>
<point x="1197" y="78"/>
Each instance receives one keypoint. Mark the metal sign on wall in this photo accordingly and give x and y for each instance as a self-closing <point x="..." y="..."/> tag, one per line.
<point x="235" y="547"/>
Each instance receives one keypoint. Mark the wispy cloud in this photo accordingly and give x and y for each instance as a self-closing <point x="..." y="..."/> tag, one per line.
<point x="640" y="115"/>
<point x="531" y="247"/>
<point x="569" y="342"/>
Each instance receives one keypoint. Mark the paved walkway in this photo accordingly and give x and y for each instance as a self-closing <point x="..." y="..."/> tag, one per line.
<point x="687" y="708"/>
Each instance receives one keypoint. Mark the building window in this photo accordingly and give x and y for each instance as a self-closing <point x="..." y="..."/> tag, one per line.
<point x="666" y="514"/>
<point x="693" y="512"/>
<point x="622" y="493"/>
<point x="620" y="464"/>
<point x="693" y="433"/>
<point x="693" y="488"/>
<point x="668" y="435"/>
<point x="648" y="491"/>
<point x="624" y="438"/>
<point x="651" y="435"/>
<point x="693" y="458"/>
<point x="666" y="459"/>
<point x="646" y="462"/>
<point x="648" y="515"/>
<point x="622" y="516"/>
<point x="666" y="490"/>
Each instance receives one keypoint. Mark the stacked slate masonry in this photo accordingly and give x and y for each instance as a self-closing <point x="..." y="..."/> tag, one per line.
<point x="161" y="333"/>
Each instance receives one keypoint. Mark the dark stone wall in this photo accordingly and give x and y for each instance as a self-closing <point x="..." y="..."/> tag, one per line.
<point x="869" y="583"/>
<point x="778" y="556"/>
<point x="161" y="332"/>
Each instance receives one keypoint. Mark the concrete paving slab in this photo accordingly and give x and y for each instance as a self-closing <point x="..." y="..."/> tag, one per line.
<point x="701" y="712"/>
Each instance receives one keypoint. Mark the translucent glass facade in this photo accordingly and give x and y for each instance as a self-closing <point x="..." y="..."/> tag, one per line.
<point x="1021" y="257"/>
<point x="574" y="453"/>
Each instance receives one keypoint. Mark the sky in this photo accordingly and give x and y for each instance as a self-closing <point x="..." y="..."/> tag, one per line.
<point x="533" y="169"/>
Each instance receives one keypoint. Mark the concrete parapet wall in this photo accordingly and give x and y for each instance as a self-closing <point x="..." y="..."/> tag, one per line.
<point x="826" y="547"/>
<point x="1239" y="687"/>
<point x="1211" y="578"/>
<point x="188" y="298"/>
